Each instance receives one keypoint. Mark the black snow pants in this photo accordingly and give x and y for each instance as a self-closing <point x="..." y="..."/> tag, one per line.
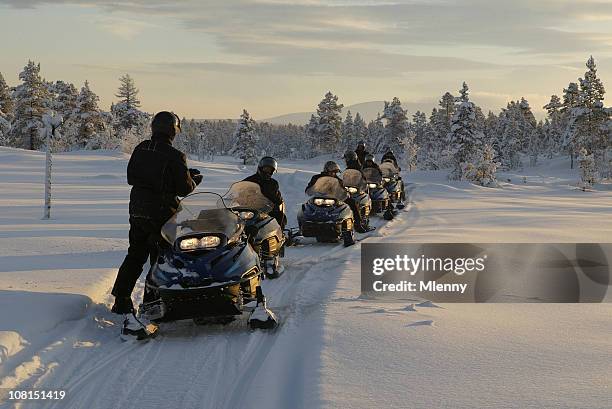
<point x="356" y="213"/>
<point x="144" y="240"/>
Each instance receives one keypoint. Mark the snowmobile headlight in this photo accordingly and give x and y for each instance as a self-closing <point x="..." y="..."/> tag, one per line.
<point x="324" y="202"/>
<point x="246" y="215"/>
<point x="194" y="243"/>
<point x="372" y="185"/>
<point x="387" y="180"/>
<point x="352" y="190"/>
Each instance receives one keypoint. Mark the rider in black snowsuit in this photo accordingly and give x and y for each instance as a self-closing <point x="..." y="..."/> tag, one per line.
<point x="352" y="161"/>
<point x="361" y="152"/>
<point x="389" y="156"/>
<point x="269" y="187"/>
<point x="158" y="174"/>
<point x="331" y="169"/>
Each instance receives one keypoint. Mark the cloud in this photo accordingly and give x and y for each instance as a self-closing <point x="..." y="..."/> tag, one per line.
<point x="368" y="37"/>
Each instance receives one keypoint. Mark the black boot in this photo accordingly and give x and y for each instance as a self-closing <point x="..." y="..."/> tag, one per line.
<point x="123" y="305"/>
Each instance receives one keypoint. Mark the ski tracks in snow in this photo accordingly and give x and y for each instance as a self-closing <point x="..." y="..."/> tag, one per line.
<point x="200" y="366"/>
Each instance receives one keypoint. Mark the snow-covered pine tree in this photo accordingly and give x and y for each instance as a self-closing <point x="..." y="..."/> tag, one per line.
<point x="91" y="132"/>
<point x="312" y="136"/>
<point x="429" y="150"/>
<point x="419" y="125"/>
<point x="376" y="135"/>
<point x="6" y="112"/>
<point x="464" y="139"/>
<point x="591" y="118"/>
<point x="571" y="101"/>
<point x="330" y="123"/>
<point x="348" y="133"/>
<point x="31" y="103"/>
<point x="7" y="105"/>
<point x="553" y="127"/>
<point x="125" y="112"/>
<point x="245" y="140"/>
<point x="127" y="92"/>
<point x="482" y="171"/>
<point x="397" y="126"/>
<point x="360" y="130"/>
<point x="588" y="173"/>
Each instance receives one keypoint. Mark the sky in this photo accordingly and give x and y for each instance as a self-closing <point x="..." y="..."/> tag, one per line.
<point x="211" y="59"/>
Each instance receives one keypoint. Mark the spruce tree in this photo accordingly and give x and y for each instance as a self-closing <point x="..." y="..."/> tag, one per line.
<point x="92" y="131"/>
<point x="464" y="139"/>
<point x="329" y="129"/>
<point x="348" y="132"/>
<point x="245" y="140"/>
<point x="397" y="126"/>
<point x="7" y="105"/>
<point x="31" y="103"/>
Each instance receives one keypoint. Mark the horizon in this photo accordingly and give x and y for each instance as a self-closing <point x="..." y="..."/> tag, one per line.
<point x="273" y="57"/>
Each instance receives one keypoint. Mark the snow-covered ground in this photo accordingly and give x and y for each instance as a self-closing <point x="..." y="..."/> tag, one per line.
<point x="334" y="348"/>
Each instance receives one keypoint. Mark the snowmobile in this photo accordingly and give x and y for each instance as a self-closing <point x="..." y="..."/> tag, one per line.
<point x="263" y="231"/>
<point x="325" y="216"/>
<point x="356" y="185"/>
<point x="381" y="203"/>
<point x="393" y="183"/>
<point x="206" y="270"/>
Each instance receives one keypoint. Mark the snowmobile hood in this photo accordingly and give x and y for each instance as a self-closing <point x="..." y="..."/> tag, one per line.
<point x="328" y="187"/>
<point x="388" y="169"/>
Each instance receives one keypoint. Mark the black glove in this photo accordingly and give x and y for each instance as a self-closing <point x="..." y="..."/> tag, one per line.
<point x="194" y="172"/>
<point x="197" y="178"/>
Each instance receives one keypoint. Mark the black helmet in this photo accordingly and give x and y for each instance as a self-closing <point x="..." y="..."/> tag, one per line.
<point x="267" y="166"/>
<point x="350" y="156"/>
<point x="361" y="145"/>
<point x="166" y="123"/>
<point x="331" y="167"/>
<point x="369" y="157"/>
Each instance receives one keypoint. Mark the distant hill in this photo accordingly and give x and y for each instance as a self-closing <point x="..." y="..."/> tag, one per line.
<point x="367" y="110"/>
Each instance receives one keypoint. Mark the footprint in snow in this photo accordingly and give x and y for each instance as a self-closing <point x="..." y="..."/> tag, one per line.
<point x="429" y="323"/>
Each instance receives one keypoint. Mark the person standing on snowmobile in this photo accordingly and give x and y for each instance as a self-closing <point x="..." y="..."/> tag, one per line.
<point x="331" y="169"/>
<point x="158" y="174"/>
<point x="269" y="187"/>
<point x="361" y="152"/>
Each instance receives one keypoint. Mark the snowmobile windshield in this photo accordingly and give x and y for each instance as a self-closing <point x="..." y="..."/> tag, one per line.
<point x="247" y="195"/>
<point x="328" y="187"/>
<point x="372" y="175"/>
<point x="202" y="213"/>
<point x="388" y="169"/>
<point x="354" y="178"/>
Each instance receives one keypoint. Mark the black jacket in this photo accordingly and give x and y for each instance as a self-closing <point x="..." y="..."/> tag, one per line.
<point x="391" y="156"/>
<point x="270" y="189"/>
<point x="158" y="174"/>
<point x="353" y="164"/>
<point x="361" y="154"/>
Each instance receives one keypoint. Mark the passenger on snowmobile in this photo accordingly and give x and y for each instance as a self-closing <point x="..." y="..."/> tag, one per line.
<point x="361" y="152"/>
<point x="370" y="163"/>
<point x="332" y="169"/>
<point x="158" y="174"/>
<point x="389" y="156"/>
<point x="352" y="161"/>
<point x="269" y="187"/>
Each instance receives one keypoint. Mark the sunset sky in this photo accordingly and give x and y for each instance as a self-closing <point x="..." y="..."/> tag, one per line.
<point x="210" y="59"/>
